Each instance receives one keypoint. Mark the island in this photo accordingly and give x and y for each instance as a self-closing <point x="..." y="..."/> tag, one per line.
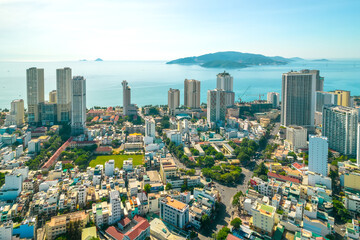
<point x="98" y="60"/>
<point x="232" y="60"/>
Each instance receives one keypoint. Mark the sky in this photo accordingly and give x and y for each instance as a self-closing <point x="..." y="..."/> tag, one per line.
<point x="65" y="30"/>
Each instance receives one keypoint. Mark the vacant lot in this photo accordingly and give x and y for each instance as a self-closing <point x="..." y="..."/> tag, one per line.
<point x="119" y="159"/>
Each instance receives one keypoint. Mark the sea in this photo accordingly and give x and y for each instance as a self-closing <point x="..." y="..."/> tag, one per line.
<point x="150" y="80"/>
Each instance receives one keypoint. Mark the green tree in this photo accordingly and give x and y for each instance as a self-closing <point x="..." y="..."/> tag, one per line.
<point x="236" y="222"/>
<point x="168" y="186"/>
<point x="222" y="234"/>
<point x="147" y="188"/>
<point x="205" y="221"/>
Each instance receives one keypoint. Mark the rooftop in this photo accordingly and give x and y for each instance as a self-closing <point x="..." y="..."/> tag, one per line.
<point x="175" y="203"/>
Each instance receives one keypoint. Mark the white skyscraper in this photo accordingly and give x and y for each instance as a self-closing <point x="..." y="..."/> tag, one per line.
<point x="216" y="107"/>
<point x="16" y="116"/>
<point x="173" y="100"/>
<point x="35" y="93"/>
<point x="149" y="127"/>
<point x="318" y="154"/>
<point x="274" y="98"/>
<point x="78" y="113"/>
<point x="224" y="81"/>
<point x="192" y="93"/>
<point x="340" y="125"/>
<point x="109" y="168"/>
<point x="298" y="98"/>
<point x="63" y="94"/>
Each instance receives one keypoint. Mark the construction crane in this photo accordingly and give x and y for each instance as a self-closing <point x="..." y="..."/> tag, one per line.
<point x="240" y="97"/>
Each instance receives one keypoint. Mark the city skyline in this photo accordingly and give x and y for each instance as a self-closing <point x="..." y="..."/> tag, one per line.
<point x="139" y="30"/>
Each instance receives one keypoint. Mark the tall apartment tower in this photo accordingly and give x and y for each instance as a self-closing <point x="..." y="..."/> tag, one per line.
<point x="35" y="93"/>
<point x="325" y="98"/>
<point x="16" y="116"/>
<point x="358" y="145"/>
<point x="319" y="80"/>
<point x="340" y="126"/>
<point x="274" y="98"/>
<point x="126" y="97"/>
<point x="78" y="113"/>
<point x="343" y="98"/>
<point x="216" y="107"/>
<point x="63" y="94"/>
<point x="192" y="93"/>
<point x="149" y="127"/>
<point x="298" y="98"/>
<point x="52" y="97"/>
<point x="173" y="100"/>
<point x="225" y="81"/>
<point x="318" y="154"/>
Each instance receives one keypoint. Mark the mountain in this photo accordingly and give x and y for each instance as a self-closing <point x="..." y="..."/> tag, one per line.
<point x="98" y="60"/>
<point x="232" y="59"/>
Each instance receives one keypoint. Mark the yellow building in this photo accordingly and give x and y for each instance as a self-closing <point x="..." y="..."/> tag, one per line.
<point x="352" y="180"/>
<point x="57" y="225"/>
<point x="343" y="97"/>
<point x="263" y="219"/>
<point x="168" y="169"/>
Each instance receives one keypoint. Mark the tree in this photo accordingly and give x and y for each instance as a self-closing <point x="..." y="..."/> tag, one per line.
<point x="236" y="222"/>
<point x="205" y="220"/>
<point x="244" y="158"/>
<point x="168" y="186"/>
<point x="222" y="234"/>
<point x="147" y="188"/>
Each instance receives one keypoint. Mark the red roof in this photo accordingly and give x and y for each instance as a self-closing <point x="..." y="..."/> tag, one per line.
<point x="142" y="225"/>
<point x="283" y="178"/>
<point x="109" y="109"/>
<point x="56" y="155"/>
<point x="104" y="149"/>
<point x="232" y="237"/>
<point x="125" y="221"/>
<point x="298" y="166"/>
<point x="117" y="118"/>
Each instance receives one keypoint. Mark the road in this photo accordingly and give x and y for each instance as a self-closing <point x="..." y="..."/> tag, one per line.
<point x="225" y="212"/>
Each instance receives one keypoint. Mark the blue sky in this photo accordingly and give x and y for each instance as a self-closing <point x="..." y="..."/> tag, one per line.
<point x="162" y="30"/>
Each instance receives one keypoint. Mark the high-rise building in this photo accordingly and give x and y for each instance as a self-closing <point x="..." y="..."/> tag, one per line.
<point x="48" y="113"/>
<point x="343" y="98"/>
<point x="52" y="96"/>
<point x="78" y="113"/>
<point x="340" y="126"/>
<point x="216" y="108"/>
<point x="274" y="98"/>
<point x="173" y="100"/>
<point x="192" y="93"/>
<point x="63" y="94"/>
<point x="128" y="108"/>
<point x="358" y="146"/>
<point x="224" y="81"/>
<point x="298" y="98"/>
<point x="16" y="116"/>
<point x="149" y="127"/>
<point x="35" y="93"/>
<point x="319" y="80"/>
<point x="325" y="98"/>
<point x="174" y="212"/>
<point x="318" y="154"/>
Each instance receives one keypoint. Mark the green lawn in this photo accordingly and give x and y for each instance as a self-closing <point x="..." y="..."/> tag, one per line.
<point x="119" y="159"/>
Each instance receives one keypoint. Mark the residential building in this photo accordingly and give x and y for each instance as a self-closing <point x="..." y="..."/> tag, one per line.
<point x="64" y="94"/>
<point x="358" y="145"/>
<point x="16" y="115"/>
<point x="52" y="96"/>
<point x="295" y="138"/>
<point x="274" y="98"/>
<point x="116" y="207"/>
<point x="109" y="168"/>
<point x="174" y="212"/>
<point x="6" y="230"/>
<point x="48" y="113"/>
<point x="192" y="93"/>
<point x="168" y="169"/>
<point x="216" y="106"/>
<point x="35" y="93"/>
<point x="351" y="181"/>
<point x="263" y="219"/>
<point x="343" y="98"/>
<point x="78" y="113"/>
<point x="298" y="98"/>
<point x="224" y="81"/>
<point x="57" y="225"/>
<point x="149" y="127"/>
<point x="325" y="98"/>
<point x="340" y="126"/>
<point x="318" y="154"/>
<point x="137" y="229"/>
<point x="173" y="100"/>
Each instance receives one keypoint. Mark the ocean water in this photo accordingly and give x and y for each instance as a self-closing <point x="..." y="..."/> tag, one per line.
<point x="150" y="80"/>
